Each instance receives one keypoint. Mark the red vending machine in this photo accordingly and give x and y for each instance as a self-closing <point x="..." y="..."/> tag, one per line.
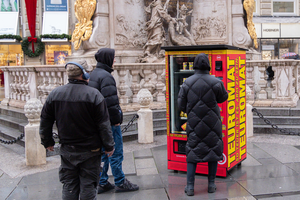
<point x="228" y="63"/>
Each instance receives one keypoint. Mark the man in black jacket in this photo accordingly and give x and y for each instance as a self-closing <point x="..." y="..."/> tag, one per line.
<point x="102" y="79"/>
<point x="83" y="125"/>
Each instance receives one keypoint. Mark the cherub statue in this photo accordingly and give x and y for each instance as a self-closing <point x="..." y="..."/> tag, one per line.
<point x="182" y="24"/>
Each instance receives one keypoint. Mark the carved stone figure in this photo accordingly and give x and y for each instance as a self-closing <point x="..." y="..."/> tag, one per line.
<point x="249" y="7"/>
<point x="156" y="33"/>
<point x="84" y="10"/>
<point x="182" y="24"/>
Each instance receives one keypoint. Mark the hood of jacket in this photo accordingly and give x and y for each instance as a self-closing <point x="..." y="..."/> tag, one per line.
<point x="201" y="62"/>
<point x="105" y="56"/>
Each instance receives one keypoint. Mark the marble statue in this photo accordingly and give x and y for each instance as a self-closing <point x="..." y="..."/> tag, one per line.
<point x="154" y="28"/>
<point x="84" y="10"/>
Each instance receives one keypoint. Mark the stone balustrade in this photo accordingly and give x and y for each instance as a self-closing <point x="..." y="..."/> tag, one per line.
<point x="282" y="91"/>
<point x="25" y="82"/>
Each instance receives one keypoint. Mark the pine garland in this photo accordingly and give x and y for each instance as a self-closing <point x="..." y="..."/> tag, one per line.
<point x="39" y="50"/>
<point x="10" y="36"/>
<point x="56" y="36"/>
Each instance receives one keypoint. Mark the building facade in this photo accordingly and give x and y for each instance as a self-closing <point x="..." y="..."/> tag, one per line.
<point x="277" y="24"/>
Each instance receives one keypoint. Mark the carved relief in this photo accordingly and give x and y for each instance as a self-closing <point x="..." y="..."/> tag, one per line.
<point x="209" y="27"/>
<point x="130" y="33"/>
<point x="132" y="2"/>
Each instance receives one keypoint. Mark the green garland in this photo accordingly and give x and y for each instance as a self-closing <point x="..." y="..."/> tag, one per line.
<point x="10" y="36"/>
<point x="38" y="51"/>
<point x="56" y="36"/>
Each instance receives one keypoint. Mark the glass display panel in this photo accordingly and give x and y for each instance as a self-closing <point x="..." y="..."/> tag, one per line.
<point x="181" y="67"/>
<point x="56" y="54"/>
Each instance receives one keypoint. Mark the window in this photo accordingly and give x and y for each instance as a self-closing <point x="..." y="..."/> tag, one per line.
<point x="284" y="7"/>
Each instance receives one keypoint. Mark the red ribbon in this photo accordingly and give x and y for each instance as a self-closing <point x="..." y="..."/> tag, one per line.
<point x="31" y="17"/>
<point x="32" y="40"/>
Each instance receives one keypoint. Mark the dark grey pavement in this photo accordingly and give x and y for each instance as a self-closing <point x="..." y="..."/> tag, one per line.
<point x="271" y="171"/>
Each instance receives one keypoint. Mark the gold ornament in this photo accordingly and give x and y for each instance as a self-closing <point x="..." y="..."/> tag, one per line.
<point x="84" y="10"/>
<point x="249" y="7"/>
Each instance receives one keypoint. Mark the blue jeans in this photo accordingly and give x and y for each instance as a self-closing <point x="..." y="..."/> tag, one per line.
<point x="115" y="160"/>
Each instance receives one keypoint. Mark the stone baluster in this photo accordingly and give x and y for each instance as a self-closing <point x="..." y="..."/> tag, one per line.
<point x="35" y="153"/>
<point x="26" y="86"/>
<point x="262" y="80"/>
<point x="12" y="85"/>
<point x="160" y="85"/>
<point x="50" y="85"/>
<point x="148" y="85"/>
<point x="135" y="86"/>
<point x="250" y="80"/>
<point x="23" y="78"/>
<point x="18" y="86"/>
<point x="145" y="120"/>
<point x="43" y="87"/>
<point x="122" y="86"/>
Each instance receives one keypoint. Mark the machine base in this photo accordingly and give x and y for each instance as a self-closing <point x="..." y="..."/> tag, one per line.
<point x="202" y="168"/>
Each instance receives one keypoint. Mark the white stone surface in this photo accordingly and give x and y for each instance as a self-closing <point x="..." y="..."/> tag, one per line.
<point x="145" y="120"/>
<point x="249" y="121"/>
<point x="145" y="124"/>
<point x="35" y="153"/>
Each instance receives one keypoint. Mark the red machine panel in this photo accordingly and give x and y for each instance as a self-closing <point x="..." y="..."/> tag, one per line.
<point x="228" y="64"/>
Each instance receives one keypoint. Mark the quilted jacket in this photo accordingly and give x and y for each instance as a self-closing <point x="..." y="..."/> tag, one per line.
<point x="199" y="97"/>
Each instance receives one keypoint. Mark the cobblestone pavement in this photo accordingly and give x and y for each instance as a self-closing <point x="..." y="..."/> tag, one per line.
<point x="271" y="171"/>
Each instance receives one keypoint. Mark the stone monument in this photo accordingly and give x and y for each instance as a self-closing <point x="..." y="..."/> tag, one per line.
<point x="137" y="29"/>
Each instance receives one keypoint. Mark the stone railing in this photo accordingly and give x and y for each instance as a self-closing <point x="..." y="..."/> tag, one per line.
<point x="25" y="82"/>
<point x="282" y="91"/>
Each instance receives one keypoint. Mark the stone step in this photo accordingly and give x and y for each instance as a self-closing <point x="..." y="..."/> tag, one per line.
<point x="8" y="133"/>
<point x="278" y="111"/>
<point x="267" y="129"/>
<point x="13" y="122"/>
<point x="13" y="112"/>
<point x="278" y="120"/>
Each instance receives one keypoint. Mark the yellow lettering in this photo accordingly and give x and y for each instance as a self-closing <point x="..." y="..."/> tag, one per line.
<point x="231" y="90"/>
<point x="242" y="103"/>
<point x="242" y="88"/>
<point x="230" y="160"/>
<point x="231" y="107"/>
<point x="231" y="135"/>
<point x="242" y="116"/>
<point x="231" y="121"/>
<point x="231" y="148"/>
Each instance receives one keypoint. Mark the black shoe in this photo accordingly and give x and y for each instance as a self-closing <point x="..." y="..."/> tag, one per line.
<point x="105" y="188"/>
<point x="212" y="187"/>
<point x="188" y="191"/>
<point x="127" y="187"/>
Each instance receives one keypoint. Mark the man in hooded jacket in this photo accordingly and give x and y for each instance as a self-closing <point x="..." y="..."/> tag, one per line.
<point x="102" y="79"/>
<point x="199" y="97"/>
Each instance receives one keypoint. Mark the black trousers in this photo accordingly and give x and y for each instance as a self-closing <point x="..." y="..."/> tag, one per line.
<point x="79" y="173"/>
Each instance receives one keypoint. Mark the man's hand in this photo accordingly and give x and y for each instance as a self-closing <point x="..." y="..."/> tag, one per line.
<point x="50" y="148"/>
<point x="109" y="153"/>
<point x="117" y="124"/>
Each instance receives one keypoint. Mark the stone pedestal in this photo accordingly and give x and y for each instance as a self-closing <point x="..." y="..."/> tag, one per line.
<point x="145" y="120"/>
<point x="249" y="120"/>
<point x="35" y="153"/>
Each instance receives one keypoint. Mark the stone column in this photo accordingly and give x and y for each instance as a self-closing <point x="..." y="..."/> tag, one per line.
<point x="145" y="120"/>
<point x="35" y="153"/>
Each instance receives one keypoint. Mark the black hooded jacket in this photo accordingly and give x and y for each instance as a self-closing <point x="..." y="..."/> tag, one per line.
<point x="102" y="79"/>
<point x="199" y="97"/>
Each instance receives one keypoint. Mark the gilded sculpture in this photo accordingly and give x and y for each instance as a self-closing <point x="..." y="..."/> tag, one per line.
<point x="84" y="10"/>
<point x="249" y="7"/>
